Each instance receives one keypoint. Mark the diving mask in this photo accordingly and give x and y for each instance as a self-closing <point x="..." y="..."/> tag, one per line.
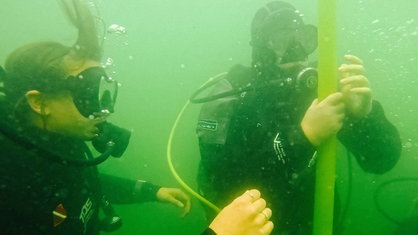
<point x="280" y="27"/>
<point x="93" y="91"/>
<point x="94" y="94"/>
<point x="293" y="44"/>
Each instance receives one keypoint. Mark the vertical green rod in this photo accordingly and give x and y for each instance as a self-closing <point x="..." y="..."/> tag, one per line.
<point x="327" y="84"/>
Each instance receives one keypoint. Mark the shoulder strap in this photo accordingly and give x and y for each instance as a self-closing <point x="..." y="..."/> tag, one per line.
<point x="214" y="118"/>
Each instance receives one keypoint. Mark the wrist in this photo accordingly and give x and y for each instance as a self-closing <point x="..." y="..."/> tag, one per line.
<point x="309" y="134"/>
<point x="145" y="191"/>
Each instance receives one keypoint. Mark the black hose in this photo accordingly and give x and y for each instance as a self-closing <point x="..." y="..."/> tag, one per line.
<point x="10" y="133"/>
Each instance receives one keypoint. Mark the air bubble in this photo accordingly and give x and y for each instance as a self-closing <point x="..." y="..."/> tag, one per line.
<point x="116" y="29"/>
<point x="109" y="62"/>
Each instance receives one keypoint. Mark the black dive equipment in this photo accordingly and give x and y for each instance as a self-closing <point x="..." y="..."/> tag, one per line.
<point x="279" y="35"/>
<point x="94" y="94"/>
<point x="280" y="40"/>
<point x="111" y="134"/>
<point x="93" y="91"/>
<point x="298" y="78"/>
<point x="112" y="221"/>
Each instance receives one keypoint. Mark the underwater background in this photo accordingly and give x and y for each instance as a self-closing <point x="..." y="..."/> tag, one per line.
<point x="170" y="48"/>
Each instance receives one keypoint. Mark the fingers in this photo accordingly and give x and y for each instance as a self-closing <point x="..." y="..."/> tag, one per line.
<point x="181" y="199"/>
<point x="355" y="81"/>
<point x="349" y="69"/>
<point x="187" y="206"/>
<point x="263" y="219"/>
<point x="353" y="59"/>
<point x="267" y="228"/>
<point x="173" y="200"/>
<point x="259" y="205"/>
<point x="335" y="108"/>
<point x="254" y="196"/>
<point x="365" y="91"/>
<point x="265" y="214"/>
<point x="335" y="99"/>
<point x="251" y="195"/>
<point x="246" y="215"/>
<point x="176" y="197"/>
<point x="354" y="67"/>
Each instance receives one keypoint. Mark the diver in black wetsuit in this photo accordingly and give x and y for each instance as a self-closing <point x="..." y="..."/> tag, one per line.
<point x="53" y="99"/>
<point x="265" y="136"/>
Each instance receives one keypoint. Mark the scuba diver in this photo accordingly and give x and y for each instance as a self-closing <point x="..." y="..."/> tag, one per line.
<point x="261" y="125"/>
<point x="55" y="99"/>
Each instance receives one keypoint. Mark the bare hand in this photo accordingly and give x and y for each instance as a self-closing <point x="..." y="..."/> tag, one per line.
<point x="355" y="87"/>
<point x="246" y="215"/>
<point x="324" y="119"/>
<point x="176" y="197"/>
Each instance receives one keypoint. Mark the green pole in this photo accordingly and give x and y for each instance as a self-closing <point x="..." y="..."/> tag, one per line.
<point x="326" y="160"/>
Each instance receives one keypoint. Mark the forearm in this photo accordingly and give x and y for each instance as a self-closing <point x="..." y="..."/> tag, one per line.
<point x="373" y="140"/>
<point x="122" y="190"/>
<point x="297" y="149"/>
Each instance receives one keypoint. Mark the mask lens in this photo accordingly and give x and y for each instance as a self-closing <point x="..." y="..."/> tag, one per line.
<point x="93" y="91"/>
<point x="280" y="41"/>
<point x="307" y="36"/>
<point x="301" y="42"/>
<point x="108" y="90"/>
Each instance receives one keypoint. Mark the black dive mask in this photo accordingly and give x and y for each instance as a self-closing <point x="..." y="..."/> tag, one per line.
<point x="279" y="35"/>
<point x="94" y="94"/>
<point x="93" y="91"/>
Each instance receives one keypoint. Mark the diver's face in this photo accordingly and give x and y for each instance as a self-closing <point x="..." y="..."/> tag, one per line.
<point x="64" y="118"/>
<point x="60" y="114"/>
<point x="292" y="45"/>
<point x="279" y="43"/>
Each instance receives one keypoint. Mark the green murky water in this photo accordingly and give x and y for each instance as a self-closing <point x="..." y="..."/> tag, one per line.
<point x="172" y="47"/>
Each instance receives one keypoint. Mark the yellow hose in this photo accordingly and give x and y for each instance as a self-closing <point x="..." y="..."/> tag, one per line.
<point x="171" y="166"/>
<point x="326" y="160"/>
